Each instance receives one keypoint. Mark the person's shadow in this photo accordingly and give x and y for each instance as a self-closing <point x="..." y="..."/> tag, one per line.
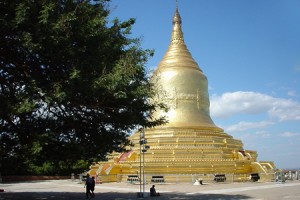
<point x="113" y="196"/>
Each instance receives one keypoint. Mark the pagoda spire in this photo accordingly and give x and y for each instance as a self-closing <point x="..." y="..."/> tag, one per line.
<point x="177" y="35"/>
<point x="177" y="54"/>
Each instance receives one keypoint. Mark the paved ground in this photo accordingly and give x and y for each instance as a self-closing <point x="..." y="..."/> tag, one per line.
<point x="66" y="189"/>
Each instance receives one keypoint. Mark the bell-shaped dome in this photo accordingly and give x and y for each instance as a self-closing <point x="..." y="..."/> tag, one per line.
<point x="182" y="85"/>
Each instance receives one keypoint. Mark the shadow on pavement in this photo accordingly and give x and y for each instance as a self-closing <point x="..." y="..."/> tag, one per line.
<point x="113" y="196"/>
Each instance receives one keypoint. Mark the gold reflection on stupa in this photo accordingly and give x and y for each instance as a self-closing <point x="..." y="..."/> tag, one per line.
<point x="190" y="146"/>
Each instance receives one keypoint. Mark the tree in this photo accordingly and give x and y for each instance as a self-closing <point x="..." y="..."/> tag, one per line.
<point x="72" y="85"/>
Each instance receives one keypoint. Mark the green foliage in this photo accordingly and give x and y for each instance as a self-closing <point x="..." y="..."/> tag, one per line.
<point x="72" y="87"/>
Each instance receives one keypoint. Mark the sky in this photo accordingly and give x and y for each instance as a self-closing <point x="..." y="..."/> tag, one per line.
<point x="250" y="52"/>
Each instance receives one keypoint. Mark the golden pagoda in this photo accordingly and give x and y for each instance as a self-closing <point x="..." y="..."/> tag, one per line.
<point x="190" y="146"/>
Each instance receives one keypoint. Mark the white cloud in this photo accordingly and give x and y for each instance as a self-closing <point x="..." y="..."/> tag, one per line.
<point x="289" y="134"/>
<point x="263" y="134"/>
<point x="242" y="126"/>
<point x="230" y="104"/>
<point x="240" y="102"/>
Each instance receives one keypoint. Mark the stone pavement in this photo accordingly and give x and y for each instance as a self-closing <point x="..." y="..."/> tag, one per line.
<point x="73" y="190"/>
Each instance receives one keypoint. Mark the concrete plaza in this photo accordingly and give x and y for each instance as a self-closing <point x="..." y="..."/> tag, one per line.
<point x="73" y="190"/>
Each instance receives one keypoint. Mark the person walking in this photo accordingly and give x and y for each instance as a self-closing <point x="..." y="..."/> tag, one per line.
<point x="88" y="186"/>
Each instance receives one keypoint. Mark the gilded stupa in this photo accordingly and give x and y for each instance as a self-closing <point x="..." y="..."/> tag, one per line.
<point x="190" y="146"/>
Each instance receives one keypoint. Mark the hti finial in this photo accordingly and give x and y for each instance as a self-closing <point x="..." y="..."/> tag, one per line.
<point x="177" y="18"/>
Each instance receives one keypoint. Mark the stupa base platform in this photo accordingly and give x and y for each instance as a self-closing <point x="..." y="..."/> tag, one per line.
<point x="188" y="178"/>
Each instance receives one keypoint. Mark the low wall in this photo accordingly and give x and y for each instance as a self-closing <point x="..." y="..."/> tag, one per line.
<point x="7" y="179"/>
